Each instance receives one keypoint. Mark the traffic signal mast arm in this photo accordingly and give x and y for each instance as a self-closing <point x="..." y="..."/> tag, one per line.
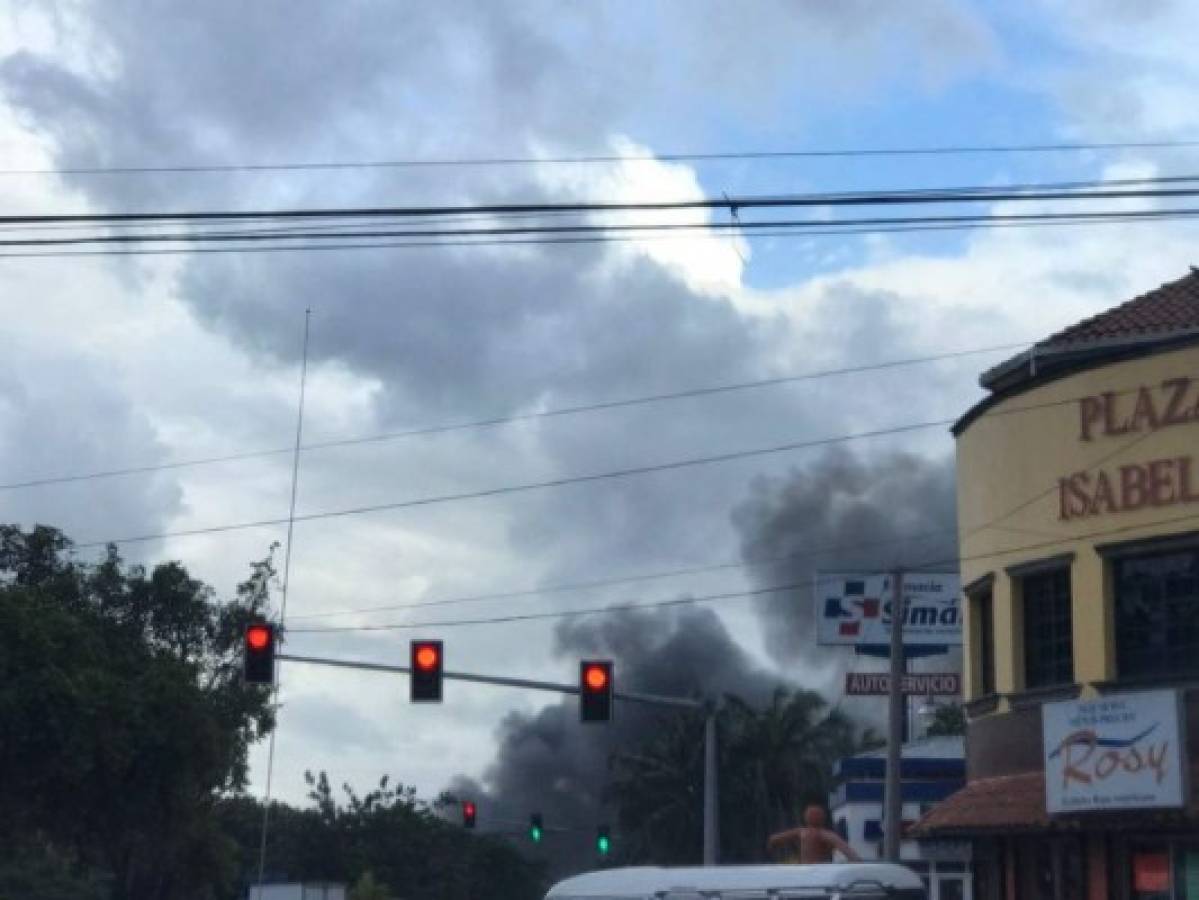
<point x="527" y="683"/>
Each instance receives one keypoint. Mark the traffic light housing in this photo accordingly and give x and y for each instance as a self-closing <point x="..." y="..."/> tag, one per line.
<point x="469" y="810"/>
<point x="427" y="658"/>
<point x="595" y="690"/>
<point x="535" y="830"/>
<point x="603" y="840"/>
<point x="259" y="653"/>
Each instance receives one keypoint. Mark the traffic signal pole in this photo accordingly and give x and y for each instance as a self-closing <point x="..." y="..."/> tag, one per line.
<point x="711" y="794"/>
<point x="893" y="786"/>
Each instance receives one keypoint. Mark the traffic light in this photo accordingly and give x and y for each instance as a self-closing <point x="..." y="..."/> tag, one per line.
<point x="468" y="813"/>
<point x="425" y="680"/>
<point x="535" y="829"/>
<point x="603" y="840"/>
<point x="595" y="690"/>
<point x="259" y="662"/>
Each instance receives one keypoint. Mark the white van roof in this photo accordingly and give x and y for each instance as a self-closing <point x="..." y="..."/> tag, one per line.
<point x="647" y="881"/>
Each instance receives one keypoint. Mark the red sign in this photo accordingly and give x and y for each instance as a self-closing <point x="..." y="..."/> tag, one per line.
<point x="921" y="683"/>
<point x="1151" y="873"/>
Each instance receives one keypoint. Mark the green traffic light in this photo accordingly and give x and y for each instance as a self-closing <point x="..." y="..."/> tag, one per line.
<point x="535" y="834"/>
<point x="603" y="844"/>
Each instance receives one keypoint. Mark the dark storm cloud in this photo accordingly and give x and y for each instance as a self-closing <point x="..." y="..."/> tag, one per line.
<point x="550" y="763"/>
<point x="894" y="510"/>
<point x="226" y="82"/>
<point x="476" y="332"/>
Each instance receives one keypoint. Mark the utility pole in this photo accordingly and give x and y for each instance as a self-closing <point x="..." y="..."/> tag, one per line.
<point x="893" y="794"/>
<point x="711" y="814"/>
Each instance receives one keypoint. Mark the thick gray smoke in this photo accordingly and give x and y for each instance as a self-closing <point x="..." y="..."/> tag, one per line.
<point x="895" y="510"/>
<point x="552" y="764"/>
<point x="841" y="513"/>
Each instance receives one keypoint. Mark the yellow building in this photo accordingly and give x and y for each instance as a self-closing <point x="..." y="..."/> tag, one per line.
<point x="1078" y="520"/>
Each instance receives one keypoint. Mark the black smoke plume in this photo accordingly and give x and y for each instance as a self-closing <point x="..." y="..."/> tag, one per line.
<point x="841" y="513"/>
<point x="550" y="763"/>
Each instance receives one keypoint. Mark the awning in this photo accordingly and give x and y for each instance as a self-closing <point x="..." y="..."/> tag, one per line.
<point x="987" y="805"/>
<point x="1010" y="804"/>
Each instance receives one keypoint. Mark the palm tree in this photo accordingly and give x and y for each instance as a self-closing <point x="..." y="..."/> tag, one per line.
<point x="772" y="762"/>
<point x="658" y="792"/>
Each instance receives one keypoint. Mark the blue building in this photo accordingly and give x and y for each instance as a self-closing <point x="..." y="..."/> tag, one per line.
<point x="932" y="769"/>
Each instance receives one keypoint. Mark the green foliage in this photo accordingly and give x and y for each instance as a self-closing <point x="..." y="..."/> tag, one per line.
<point x="771" y="763"/>
<point x="40" y="872"/>
<point x="366" y="888"/>
<point x="949" y="719"/>
<point x="407" y="849"/>
<point x="124" y="712"/>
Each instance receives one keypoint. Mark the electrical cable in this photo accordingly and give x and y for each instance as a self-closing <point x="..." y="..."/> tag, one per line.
<point x="714" y="598"/>
<point x="608" y="158"/>
<point x="519" y="417"/>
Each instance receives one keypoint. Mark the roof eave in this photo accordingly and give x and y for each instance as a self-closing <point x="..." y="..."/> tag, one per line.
<point x="1048" y="362"/>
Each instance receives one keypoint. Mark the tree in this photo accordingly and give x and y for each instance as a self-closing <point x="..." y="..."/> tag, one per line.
<point x="657" y="789"/>
<point x="124" y="712"/>
<point x="408" y="850"/>
<point x="366" y="888"/>
<point x="772" y="761"/>
<point x="949" y="719"/>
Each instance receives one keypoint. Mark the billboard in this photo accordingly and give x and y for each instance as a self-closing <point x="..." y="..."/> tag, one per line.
<point x="1118" y="752"/>
<point x="854" y="610"/>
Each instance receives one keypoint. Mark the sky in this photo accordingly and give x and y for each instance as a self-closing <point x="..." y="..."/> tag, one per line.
<point x="141" y="361"/>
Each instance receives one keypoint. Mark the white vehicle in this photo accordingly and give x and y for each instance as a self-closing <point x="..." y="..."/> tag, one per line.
<point x="849" y="881"/>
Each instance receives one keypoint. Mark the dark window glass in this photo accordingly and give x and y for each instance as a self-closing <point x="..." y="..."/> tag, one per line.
<point x="986" y="640"/>
<point x="1157" y="614"/>
<point x="1048" y="639"/>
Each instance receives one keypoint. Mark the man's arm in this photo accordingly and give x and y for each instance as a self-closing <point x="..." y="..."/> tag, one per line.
<point x="838" y="844"/>
<point x="783" y="837"/>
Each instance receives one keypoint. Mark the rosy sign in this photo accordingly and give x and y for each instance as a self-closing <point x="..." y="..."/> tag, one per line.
<point x="1118" y="752"/>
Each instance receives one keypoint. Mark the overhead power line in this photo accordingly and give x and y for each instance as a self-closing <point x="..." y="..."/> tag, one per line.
<point x="519" y="417"/>
<point x="1095" y="190"/>
<point x="968" y="531"/>
<point x="842" y="229"/>
<point x="608" y="158"/>
<point x="798" y="225"/>
<point x="715" y="598"/>
<point x="739" y="564"/>
<point x="584" y="479"/>
<point x="658" y="575"/>
<point x="530" y="486"/>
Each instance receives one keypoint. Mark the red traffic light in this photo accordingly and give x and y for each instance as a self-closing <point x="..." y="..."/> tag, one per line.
<point x="426" y="656"/>
<point x="596" y="678"/>
<point x="427" y="659"/>
<point x="468" y="814"/>
<point x="595" y="690"/>
<point x="258" y="637"/>
<point x="259" y="654"/>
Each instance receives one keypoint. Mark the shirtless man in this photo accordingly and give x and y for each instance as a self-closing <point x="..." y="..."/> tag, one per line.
<point x="813" y="842"/>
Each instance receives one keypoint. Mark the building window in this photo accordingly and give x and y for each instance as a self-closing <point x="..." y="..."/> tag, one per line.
<point x="1157" y="614"/>
<point x="982" y="611"/>
<point x="1048" y="636"/>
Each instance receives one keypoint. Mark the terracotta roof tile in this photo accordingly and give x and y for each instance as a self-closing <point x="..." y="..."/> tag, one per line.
<point x="1010" y="803"/>
<point x="1173" y="307"/>
<point x="1003" y="803"/>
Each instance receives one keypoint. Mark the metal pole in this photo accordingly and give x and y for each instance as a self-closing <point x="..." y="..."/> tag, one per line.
<point x="502" y="681"/>
<point x="893" y="819"/>
<point x="711" y="793"/>
<point x="291" y="524"/>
